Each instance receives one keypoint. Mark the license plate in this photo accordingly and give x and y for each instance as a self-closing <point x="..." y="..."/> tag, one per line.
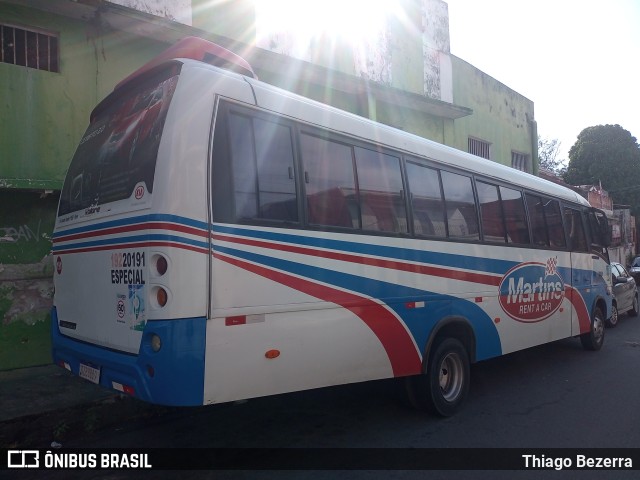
<point x="89" y="373"/>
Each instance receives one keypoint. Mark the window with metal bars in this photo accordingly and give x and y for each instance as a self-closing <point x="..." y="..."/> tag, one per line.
<point x="479" y="148"/>
<point x="520" y="161"/>
<point x="29" y="48"/>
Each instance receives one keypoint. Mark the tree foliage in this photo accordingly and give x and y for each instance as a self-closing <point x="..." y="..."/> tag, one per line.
<point x="607" y="155"/>
<point x="548" y="153"/>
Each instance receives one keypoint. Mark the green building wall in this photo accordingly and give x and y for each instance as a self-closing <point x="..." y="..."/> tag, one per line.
<point x="501" y="116"/>
<point x="43" y="115"/>
<point x="26" y="289"/>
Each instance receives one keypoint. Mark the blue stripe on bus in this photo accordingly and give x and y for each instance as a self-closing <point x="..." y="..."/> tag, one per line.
<point x="480" y="264"/>
<point x="419" y="323"/>
<point x="123" y="241"/>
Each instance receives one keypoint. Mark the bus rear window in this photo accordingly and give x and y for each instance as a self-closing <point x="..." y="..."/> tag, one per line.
<point x="119" y="149"/>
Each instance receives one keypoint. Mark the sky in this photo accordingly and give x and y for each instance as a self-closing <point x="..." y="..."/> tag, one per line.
<point x="577" y="60"/>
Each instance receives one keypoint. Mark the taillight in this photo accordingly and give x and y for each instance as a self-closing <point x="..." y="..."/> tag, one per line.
<point x="161" y="296"/>
<point x="160" y="264"/>
<point x="159" y="267"/>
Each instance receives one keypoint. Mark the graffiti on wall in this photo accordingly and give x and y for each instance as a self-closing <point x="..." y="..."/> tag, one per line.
<point x="22" y="233"/>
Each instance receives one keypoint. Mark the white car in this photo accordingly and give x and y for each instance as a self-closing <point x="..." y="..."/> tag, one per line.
<point x="625" y="292"/>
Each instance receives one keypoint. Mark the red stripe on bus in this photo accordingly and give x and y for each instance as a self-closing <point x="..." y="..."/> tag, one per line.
<point x="397" y="342"/>
<point x="121" y="246"/>
<point x="375" y="262"/>
<point x="584" y="317"/>
<point x="134" y="228"/>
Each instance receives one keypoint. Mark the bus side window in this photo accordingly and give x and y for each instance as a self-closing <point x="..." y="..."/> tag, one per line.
<point x="575" y="229"/>
<point x="491" y="212"/>
<point x="426" y="201"/>
<point x="380" y="188"/>
<point x="515" y="216"/>
<point x="600" y="234"/>
<point x="536" y="214"/>
<point x="462" y="215"/>
<point x="329" y="182"/>
<point x="263" y="170"/>
<point x="243" y="160"/>
<point x="554" y="224"/>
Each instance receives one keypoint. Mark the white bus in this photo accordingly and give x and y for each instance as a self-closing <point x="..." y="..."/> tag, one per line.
<point x="220" y="239"/>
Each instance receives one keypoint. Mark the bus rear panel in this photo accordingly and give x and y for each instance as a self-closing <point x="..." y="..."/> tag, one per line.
<point x="122" y="248"/>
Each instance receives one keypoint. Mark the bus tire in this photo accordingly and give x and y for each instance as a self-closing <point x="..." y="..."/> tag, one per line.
<point x="444" y="387"/>
<point x="594" y="338"/>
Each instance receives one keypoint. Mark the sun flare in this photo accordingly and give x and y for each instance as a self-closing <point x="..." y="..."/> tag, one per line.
<point x="352" y="21"/>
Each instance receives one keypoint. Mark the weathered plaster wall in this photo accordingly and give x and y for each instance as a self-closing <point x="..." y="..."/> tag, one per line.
<point x="176" y="10"/>
<point x="418" y="37"/>
<point x="234" y="19"/>
<point x="374" y="59"/>
<point x="406" y="48"/>
<point x="436" y="50"/>
<point x="412" y="121"/>
<point x="501" y="116"/>
<point x="26" y="286"/>
<point x="43" y="115"/>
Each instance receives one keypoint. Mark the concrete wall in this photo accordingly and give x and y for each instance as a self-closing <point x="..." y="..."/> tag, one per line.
<point x="176" y="10"/>
<point x="233" y="19"/>
<point x="623" y="248"/>
<point x="26" y="287"/>
<point x="43" y="116"/>
<point x="409" y="52"/>
<point x="412" y="121"/>
<point x="43" y="113"/>
<point x="501" y="116"/>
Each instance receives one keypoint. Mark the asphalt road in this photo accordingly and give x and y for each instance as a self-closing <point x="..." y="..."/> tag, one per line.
<point x="553" y="396"/>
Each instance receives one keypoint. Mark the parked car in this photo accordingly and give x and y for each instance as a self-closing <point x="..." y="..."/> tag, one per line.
<point x="634" y="269"/>
<point x="625" y="294"/>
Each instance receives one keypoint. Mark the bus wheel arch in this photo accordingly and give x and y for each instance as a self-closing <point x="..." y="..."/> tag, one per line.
<point x="594" y="338"/>
<point x="444" y="383"/>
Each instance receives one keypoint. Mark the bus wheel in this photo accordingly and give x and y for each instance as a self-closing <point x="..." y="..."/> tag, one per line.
<point x="444" y="387"/>
<point x="593" y="339"/>
<point x="613" y="321"/>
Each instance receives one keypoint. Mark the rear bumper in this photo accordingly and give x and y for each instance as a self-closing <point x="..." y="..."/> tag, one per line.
<point x="172" y="376"/>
